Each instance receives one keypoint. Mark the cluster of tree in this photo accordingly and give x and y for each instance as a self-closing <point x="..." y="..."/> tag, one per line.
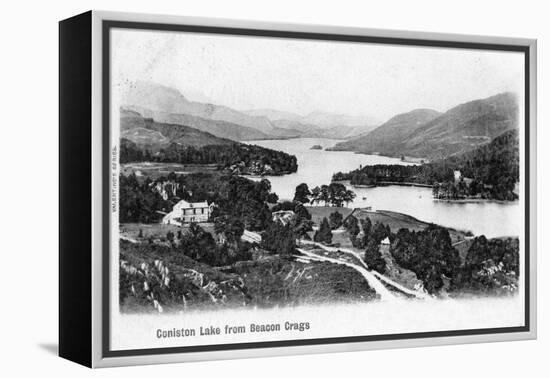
<point x="365" y="236"/>
<point x="490" y="266"/>
<point x="245" y="200"/>
<point x="244" y="158"/>
<point x="138" y="202"/>
<point x="460" y="189"/>
<point x="361" y="232"/>
<point x="301" y="222"/>
<point x="492" y="168"/>
<point x="231" y="227"/>
<point x="427" y="174"/>
<point x="428" y="253"/>
<point x="236" y="198"/>
<point x="280" y="239"/>
<point x="200" y="245"/>
<point x="334" y="194"/>
<point x="324" y="233"/>
<point x="335" y="220"/>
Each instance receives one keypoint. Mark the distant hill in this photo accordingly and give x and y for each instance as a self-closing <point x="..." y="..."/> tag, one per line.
<point x="274" y="115"/>
<point x="220" y="129"/>
<point x="145" y="140"/>
<point x="318" y="124"/>
<point x="386" y="138"/>
<point x="329" y="120"/>
<point x="168" y="100"/>
<point x="426" y="134"/>
<point x="464" y="127"/>
<point x="147" y="133"/>
<point x="168" y="105"/>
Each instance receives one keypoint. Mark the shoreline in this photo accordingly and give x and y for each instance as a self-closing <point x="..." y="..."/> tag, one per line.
<point x="475" y="200"/>
<point x="396" y="183"/>
<point x="408" y="159"/>
<point x="412" y="184"/>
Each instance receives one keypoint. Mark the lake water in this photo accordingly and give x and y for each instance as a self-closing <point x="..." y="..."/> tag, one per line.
<point x="316" y="167"/>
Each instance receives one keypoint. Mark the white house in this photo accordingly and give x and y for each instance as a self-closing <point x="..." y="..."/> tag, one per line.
<point x="187" y="212"/>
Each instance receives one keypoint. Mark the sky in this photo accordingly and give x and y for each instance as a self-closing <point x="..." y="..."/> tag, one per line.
<point x="302" y="76"/>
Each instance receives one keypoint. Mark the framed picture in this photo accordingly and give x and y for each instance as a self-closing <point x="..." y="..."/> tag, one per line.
<point x="232" y="189"/>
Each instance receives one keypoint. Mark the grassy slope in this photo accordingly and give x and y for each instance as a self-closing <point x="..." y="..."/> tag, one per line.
<point x="460" y="129"/>
<point x="384" y="138"/>
<point x="146" y="132"/>
<point x="218" y="128"/>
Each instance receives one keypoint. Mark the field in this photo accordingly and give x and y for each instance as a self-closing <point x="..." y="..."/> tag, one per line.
<point x="155" y="170"/>
<point x="319" y="212"/>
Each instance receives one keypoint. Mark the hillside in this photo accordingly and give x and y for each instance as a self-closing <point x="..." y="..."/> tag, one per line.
<point x="327" y="120"/>
<point x="168" y="105"/>
<point x="490" y="171"/>
<point x="220" y="129"/>
<point x="144" y="140"/>
<point x="385" y="138"/>
<point x="145" y="132"/>
<point x="423" y="134"/>
<point x="464" y="127"/>
<point x="318" y="124"/>
<point x="168" y="100"/>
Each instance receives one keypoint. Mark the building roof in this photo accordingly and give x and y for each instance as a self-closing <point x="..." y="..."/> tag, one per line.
<point x="190" y="205"/>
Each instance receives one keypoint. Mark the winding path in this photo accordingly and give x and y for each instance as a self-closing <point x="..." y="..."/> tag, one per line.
<point x="361" y="268"/>
<point x="380" y="289"/>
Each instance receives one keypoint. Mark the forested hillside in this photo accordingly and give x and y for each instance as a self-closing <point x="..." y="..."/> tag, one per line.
<point x="460" y="129"/>
<point x="490" y="171"/>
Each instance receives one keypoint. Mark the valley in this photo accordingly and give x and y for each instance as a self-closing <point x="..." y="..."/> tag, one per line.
<point x="289" y="224"/>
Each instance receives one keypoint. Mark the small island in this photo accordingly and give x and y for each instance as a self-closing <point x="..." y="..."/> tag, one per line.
<point x="316" y="147"/>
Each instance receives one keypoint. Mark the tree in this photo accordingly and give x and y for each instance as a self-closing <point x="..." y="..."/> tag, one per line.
<point x="335" y="220"/>
<point x="324" y="234"/>
<point x="170" y="236"/>
<point x="366" y="225"/>
<point x="490" y="264"/>
<point x="230" y="226"/>
<point x="373" y="258"/>
<point x="324" y="194"/>
<point x="352" y="226"/>
<point x="428" y="253"/>
<point x="272" y="198"/>
<point x="302" y="193"/>
<point x="338" y="194"/>
<point x="279" y="239"/>
<point x="315" y="195"/>
<point x="379" y="232"/>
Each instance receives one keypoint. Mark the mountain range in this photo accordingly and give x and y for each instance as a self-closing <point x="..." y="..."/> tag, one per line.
<point x="165" y="104"/>
<point x="425" y="133"/>
<point x="420" y="133"/>
<point x="149" y="134"/>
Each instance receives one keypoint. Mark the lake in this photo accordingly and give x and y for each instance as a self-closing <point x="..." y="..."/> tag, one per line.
<point x="316" y="167"/>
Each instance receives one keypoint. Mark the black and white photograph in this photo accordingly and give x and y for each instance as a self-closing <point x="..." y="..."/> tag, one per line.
<point x="275" y="189"/>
